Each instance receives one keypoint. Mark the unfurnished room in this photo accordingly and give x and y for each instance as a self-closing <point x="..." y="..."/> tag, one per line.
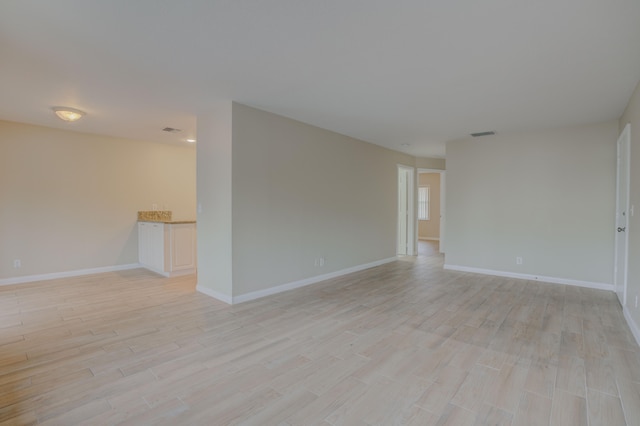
<point x="297" y="212"/>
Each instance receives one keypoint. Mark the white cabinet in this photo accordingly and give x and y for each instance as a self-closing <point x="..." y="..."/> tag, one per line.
<point x="151" y="246"/>
<point x="167" y="248"/>
<point x="183" y="246"/>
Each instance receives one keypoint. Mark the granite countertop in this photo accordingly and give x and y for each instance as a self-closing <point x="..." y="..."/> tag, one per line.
<point x="169" y="222"/>
<point x="160" y="216"/>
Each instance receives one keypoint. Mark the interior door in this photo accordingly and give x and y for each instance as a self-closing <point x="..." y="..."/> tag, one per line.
<point x="407" y="219"/>
<point x="622" y="216"/>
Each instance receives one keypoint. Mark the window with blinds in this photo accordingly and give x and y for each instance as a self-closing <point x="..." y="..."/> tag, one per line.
<point x="423" y="203"/>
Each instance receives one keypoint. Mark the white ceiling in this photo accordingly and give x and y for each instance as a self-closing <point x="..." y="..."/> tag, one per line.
<point x="391" y="72"/>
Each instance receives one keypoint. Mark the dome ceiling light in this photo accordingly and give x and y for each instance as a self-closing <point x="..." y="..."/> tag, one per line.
<point x="68" y="114"/>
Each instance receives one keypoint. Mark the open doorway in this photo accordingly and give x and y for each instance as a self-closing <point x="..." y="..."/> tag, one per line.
<point x="431" y="203"/>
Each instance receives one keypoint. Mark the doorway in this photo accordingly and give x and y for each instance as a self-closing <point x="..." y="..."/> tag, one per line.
<point x="434" y="179"/>
<point x="622" y="216"/>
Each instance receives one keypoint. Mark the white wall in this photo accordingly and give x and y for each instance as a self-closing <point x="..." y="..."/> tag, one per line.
<point x="547" y="196"/>
<point x="214" y="201"/>
<point x="69" y="200"/>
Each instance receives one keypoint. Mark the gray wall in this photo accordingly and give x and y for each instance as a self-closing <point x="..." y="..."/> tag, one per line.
<point x="430" y="163"/>
<point x="301" y="192"/>
<point x="277" y="194"/>
<point x="547" y="196"/>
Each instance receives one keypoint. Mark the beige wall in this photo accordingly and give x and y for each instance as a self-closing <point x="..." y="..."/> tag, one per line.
<point x="547" y="196"/>
<point x="430" y="229"/>
<point x="632" y="116"/>
<point x="68" y="200"/>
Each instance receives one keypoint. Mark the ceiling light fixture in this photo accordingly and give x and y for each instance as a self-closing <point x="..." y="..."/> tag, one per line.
<point x="68" y="114"/>
<point x="191" y="140"/>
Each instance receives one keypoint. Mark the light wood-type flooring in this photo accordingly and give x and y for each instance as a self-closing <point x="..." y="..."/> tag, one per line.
<point x="403" y="343"/>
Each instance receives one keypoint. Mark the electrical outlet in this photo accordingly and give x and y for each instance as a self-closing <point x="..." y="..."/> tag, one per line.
<point x="17" y="264"/>
<point x="518" y="260"/>
<point x="322" y="261"/>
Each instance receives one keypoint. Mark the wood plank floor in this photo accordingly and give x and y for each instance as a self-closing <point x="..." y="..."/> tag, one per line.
<point x="403" y="343"/>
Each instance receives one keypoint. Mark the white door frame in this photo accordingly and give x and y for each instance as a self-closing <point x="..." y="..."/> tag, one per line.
<point x="621" y="252"/>
<point x="443" y="199"/>
<point x="406" y="240"/>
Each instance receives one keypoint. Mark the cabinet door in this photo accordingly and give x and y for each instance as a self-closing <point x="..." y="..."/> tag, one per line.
<point x="157" y="246"/>
<point x="143" y="243"/>
<point x="183" y="246"/>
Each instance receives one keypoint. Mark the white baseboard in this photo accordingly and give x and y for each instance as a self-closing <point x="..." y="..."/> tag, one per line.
<point x="307" y="281"/>
<point x="632" y="324"/>
<point x="67" y="274"/>
<point x="216" y="295"/>
<point x="232" y="300"/>
<point x="428" y="239"/>
<point x="554" y="280"/>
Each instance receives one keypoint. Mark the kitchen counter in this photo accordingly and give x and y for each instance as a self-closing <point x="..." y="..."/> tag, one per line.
<point x="169" y="222"/>
<point x="160" y="216"/>
<point x="165" y="245"/>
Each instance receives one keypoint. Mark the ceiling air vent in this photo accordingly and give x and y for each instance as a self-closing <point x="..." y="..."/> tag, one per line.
<point x="477" y="135"/>
<point x="171" y="130"/>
